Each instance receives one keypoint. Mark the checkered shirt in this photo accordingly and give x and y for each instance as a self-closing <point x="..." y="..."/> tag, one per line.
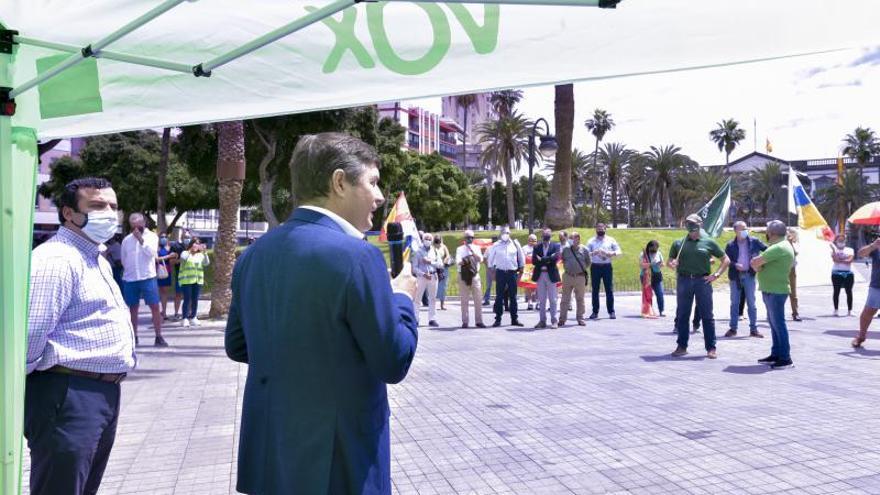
<point x="77" y="317"/>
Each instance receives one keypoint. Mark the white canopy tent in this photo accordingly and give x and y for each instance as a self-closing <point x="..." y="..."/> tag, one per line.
<point x="83" y="68"/>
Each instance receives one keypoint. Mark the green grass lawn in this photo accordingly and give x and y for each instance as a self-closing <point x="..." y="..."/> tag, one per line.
<point x="626" y="267"/>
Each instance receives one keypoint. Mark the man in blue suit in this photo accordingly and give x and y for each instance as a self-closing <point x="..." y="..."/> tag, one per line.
<point x="323" y="331"/>
<point x="546" y="275"/>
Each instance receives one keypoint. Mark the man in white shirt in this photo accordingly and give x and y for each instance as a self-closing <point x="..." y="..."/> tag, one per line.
<point x="603" y="248"/>
<point x="468" y="258"/>
<point x="139" y="251"/>
<point x="507" y="258"/>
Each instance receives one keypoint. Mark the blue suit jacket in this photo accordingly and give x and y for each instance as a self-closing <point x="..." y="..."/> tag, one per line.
<point x="548" y="260"/>
<point x="756" y="247"/>
<point x="314" y="316"/>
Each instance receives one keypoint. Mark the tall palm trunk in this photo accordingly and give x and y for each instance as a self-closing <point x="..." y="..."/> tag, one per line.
<point x="614" y="204"/>
<point x="230" y="178"/>
<point x="489" y="187"/>
<point x="560" y="213"/>
<point x="508" y="179"/>
<point x="162" y="181"/>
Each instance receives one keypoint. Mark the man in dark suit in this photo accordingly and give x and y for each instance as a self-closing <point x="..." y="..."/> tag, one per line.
<point x="546" y="275"/>
<point x="323" y="330"/>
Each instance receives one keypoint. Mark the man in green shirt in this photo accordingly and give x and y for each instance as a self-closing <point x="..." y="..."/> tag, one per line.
<point x="691" y="258"/>
<point x="773" y="267"/>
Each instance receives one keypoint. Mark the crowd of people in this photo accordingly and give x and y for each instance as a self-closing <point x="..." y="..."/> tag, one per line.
<point x="752" y="265"/>
<point x="318" y="323"/>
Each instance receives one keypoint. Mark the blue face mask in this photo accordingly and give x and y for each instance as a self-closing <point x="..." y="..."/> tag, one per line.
<point x="743" y="234"/>
<point x="163" y="242"/>
<point x="100" y="226"/>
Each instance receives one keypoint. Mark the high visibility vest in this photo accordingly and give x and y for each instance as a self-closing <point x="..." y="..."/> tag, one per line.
<point x="192" y="269"/>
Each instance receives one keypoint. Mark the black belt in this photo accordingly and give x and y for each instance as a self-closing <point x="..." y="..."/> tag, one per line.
<point x="102" y="377"/>
<point x="683" y="275"/>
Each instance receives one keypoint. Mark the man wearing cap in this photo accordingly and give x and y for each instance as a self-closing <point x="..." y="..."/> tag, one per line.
<point x="691" y="257"/>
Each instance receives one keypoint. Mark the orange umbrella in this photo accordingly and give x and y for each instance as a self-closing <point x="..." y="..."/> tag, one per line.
<point x="866" y="215"/>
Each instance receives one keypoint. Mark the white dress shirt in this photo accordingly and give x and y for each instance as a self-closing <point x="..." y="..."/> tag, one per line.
<point x="139" y="260"/>
<point x="344" y="224"/>
<point x="606" y="244"/>
<point x="506" y="256"/>
<point x="465" y="250"/>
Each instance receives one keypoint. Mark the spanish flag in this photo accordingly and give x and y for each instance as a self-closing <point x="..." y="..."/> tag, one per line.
<point x="768" y="146"/>
<point x="808" y="215"/>
<point x="400" y="213"/>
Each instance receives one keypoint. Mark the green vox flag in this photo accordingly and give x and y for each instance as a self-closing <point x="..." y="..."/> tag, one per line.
<point x="714" y="213"/>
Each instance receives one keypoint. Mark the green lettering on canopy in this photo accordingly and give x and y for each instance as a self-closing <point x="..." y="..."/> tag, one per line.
<point x="387" y="55"/>
<point x="485" y="37"/>
<point x="345" y="41"/>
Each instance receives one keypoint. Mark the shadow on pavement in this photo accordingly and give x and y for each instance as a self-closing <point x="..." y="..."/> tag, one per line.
<point x="444" y="329"/>
<point x="669" y="357"/>
<point x="850" y="334"/>
<point x="146" y="374"/>
<point x="861" y="354"/>
<point x="754" y="369"/>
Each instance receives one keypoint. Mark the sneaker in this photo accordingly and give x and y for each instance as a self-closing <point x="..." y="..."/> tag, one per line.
<point x="782" y="364"/>
<point x="554" y="325"/>
<point x="195" y="321"/>
<point x="160" y="342"/>
<point x="768" y="360"/>
<point x="433" y="323"/>
<point x="679" y="351"/>
<point x="730" y="333"/>
<point x="496" y="324"/>
<point x="481" y="325"/>
<point x="662" y="315"/>
<point x="186" y="323"/>
<point x="612" y="316"/>
<point x="796" y="318"/>
<point x="711" y="354"/>
<point x="464" y="325"/>
<point x="756" y="334"/>
<point x="516" y="323"/>
<point x="696" y="330"/>
<point x="530" y="307"/>
<point x="561" y="323"/>
<point x="594" y="316"/>
<point x="849" y="313"/>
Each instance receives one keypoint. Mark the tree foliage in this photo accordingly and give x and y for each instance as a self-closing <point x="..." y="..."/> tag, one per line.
<point x="438" y="192"/>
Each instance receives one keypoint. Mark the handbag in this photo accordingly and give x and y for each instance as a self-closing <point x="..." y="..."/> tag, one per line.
<point x="161" y="271"/>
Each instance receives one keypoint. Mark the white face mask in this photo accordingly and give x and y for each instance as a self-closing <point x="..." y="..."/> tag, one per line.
<point x="427" y="244"/>
<point x="505" y="237"/>
<point x="100" y="226"/>
<point x="743" y="234"/>
<point x="839" y="245"/>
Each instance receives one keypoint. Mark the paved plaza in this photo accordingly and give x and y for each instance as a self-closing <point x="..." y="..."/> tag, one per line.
<point x="583" y="410"/>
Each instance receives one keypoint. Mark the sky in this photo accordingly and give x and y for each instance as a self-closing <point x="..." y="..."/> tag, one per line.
<point x="804" y="106"/>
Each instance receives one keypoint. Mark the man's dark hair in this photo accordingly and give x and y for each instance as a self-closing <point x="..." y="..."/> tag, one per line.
<point x="69" y="197"/>
<point x="317" y="156"/>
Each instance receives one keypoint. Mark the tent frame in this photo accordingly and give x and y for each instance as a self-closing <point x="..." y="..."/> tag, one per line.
<point x="16" y="225"/>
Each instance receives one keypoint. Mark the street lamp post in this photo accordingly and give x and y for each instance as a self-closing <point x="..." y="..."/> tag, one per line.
<point x="547" y="148"/>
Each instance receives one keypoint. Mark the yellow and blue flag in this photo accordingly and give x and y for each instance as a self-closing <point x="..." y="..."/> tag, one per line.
<point x="808" y="215"/>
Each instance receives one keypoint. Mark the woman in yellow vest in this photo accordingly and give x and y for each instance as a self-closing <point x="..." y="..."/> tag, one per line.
<point x="192" y="276"/>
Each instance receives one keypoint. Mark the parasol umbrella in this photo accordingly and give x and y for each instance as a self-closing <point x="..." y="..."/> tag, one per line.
<point x="868" y="214"/>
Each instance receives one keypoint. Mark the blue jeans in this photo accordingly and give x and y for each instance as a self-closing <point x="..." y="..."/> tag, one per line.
<point x="779" y="331"/>
<point x="190" y="300"/>
<point x="441" y="286"/>
<point x="747" y="282"/>
<point x="657" y="287"/>
<point x="505" y="292"/>
<point x="602" y="273"/>
<point x="687" y="291"/>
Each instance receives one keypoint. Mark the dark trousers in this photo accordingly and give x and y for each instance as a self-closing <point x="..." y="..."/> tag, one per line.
<point x="600" y="273"/>
<point x="505" y="293"/>
<point x="696" y="320"/>
<point x="844" y="282"/>
<point x="190" y="300"/>
<point x="70" y="425"/>
<point x="688" y="290"/>
<point x="657" y="287"/>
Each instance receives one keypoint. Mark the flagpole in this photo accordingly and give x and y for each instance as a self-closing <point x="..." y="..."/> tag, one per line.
<point x="755" y="132"/>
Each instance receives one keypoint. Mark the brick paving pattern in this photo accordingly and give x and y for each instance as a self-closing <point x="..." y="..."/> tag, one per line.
<point x="576" y="410"/>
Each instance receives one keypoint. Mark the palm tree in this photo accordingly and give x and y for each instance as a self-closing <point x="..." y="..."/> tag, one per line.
<point x="695" y="188"/>
<point x="727" y="136"/>
<point x="465" y="101"/>
<point x="505" y="100"/>
<point x="862" y="145"/>
<point x="560" y="213"/>
<point x="505" y="146"/>
<point x="666" y="162"/>
<point x="839" y="201"/>
<point x="230" y="178"/>
<point x="764" y="184"/>
<point x="615" y="157"/>
<point x="638" y="185"/>
<point x="599" y="125"/>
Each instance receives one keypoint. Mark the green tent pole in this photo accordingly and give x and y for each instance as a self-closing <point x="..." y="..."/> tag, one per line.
<point x="18" y="174"/>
